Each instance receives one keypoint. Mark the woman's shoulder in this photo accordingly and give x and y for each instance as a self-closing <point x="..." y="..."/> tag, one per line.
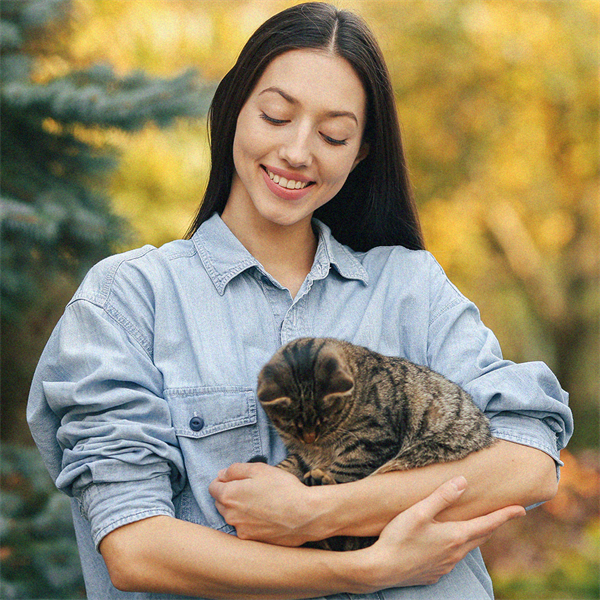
<point x="414" y="271"/>
<point x="398" y="258"/>
<point x="132" y="271"/>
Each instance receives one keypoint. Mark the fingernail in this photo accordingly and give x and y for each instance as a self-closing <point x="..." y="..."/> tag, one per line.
<point x="221" y="474"/>
<point x="460" y="483"/>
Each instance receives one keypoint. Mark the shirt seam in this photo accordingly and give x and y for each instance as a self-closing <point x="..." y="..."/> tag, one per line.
<point x="121" y="319"/>
<point x="123" y="323"/>
<point x="130" y="328"/>
<point x="182" y="254"/>
<point x="510" y="436"/>
<point x="446" y="308"/>
<point x="272" y="305"/>
<point x="111" y="275"/>
<point x="220" y="280"/>
<point x="345" y="262"/>
<point x="355" y="272"/>
<point x="102" y="299"/>
<point x="459" y="298"/>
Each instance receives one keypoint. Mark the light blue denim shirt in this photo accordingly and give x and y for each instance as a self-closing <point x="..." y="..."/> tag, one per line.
<point x="146" y="388"/>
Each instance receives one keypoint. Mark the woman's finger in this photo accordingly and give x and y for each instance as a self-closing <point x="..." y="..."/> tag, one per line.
<point x="484" y="530"/>
<point x="441" y="498"/>
<point x="483" y="527"/>
<point x="239" y="471"/>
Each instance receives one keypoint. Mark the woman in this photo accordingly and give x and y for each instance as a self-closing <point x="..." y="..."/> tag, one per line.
<point x="144" y="406"/>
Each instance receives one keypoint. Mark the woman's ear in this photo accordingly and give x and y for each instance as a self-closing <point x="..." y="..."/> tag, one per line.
<point x="362" y="153"/>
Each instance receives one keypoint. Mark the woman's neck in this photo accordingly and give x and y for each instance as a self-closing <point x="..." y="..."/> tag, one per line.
<point x="286" y="252"/>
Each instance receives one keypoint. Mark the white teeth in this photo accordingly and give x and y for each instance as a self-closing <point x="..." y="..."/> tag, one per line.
<point x="290" y="184"/>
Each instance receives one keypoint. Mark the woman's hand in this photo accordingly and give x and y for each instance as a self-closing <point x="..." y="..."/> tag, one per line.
<point x="417" y="549"/>
<point x="264" y="503"/>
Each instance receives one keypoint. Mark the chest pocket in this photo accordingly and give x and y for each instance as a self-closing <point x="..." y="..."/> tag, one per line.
<point x="215" y="427"/>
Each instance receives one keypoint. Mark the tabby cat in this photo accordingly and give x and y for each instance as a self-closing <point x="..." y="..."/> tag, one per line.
<point x="345" y="412"/>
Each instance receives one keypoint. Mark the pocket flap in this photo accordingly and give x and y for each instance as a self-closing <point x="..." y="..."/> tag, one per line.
<point x="200" y="412"/>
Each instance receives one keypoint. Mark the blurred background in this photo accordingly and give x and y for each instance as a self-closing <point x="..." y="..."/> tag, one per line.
<point x="104" y="148"/>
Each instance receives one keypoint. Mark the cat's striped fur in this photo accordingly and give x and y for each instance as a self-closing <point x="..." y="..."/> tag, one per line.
<point x="345" y="412"/>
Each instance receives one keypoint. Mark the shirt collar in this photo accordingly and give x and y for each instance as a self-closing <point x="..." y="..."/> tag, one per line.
<point x="331" y="252"/>
<point x="224" y="257"/>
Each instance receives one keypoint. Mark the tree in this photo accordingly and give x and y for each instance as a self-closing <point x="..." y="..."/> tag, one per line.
<point x="55" y="213"/>
<point x="500" y="108"/>
<point x="55" y="216"/>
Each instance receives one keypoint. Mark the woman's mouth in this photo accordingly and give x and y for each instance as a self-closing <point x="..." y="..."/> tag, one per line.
<point x="288" y="184"/>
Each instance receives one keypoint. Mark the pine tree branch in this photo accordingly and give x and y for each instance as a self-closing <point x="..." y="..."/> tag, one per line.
<point x="97" y="97"/>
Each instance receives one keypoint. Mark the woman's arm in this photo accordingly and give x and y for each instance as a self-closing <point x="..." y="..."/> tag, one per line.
<point x="166" y="555"/>
<point x="267" y="504"/>
<point x="502" y="475"/>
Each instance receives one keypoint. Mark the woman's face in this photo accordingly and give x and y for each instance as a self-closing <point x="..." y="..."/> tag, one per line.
<point x="298" y="136"/>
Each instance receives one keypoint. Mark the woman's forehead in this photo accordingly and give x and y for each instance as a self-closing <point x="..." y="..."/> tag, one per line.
<point x="314" y="79"/>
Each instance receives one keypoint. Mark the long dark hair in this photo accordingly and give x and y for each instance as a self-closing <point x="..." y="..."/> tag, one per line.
<point x="375" y="206"/>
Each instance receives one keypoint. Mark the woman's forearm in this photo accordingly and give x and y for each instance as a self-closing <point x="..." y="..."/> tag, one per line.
<point x="166" y="555"/>
<point x="502" y="475"/>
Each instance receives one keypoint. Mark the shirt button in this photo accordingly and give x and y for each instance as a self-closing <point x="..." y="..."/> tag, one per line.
<point x="196" y="423"/>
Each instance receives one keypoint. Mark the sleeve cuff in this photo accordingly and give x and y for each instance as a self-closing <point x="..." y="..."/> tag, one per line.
<point x="527" y="431"/>
<point x="108" y="506"/>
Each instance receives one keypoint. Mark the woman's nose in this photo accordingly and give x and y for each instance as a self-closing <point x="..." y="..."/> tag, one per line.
<point x="296" y="149"/>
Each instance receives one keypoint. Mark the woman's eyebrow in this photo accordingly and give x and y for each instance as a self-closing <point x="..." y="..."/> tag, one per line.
<point x="292" y="100"/>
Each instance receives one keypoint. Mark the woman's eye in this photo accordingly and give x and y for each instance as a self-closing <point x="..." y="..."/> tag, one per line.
<point x="271" y="120"/>
<point x="333" y="141"/>
<point x="265" y="117"/>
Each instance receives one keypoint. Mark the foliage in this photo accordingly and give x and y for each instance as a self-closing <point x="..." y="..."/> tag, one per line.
<point x="552" y="554"/>
<point x="38" y="555"/>
<point x="56" y="216"/>
<point x="500" y="105"/>
<point x="555" y="552"/>
<point x="55" y="212"/>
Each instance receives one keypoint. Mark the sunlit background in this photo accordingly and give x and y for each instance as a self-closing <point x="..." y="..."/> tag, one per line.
<point x="498" y="101"/>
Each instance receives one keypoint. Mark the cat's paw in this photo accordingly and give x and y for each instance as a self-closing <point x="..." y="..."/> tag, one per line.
<point x="318" y="477"/>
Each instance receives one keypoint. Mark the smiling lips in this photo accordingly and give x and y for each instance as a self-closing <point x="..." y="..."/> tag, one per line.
<point x="284" y="187"/>
<point x="290" y="184"/>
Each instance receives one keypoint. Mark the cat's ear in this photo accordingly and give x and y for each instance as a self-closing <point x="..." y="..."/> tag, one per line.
<point x="267" y="389"/>
<point x="340" y="382"/>
<point x="270" y="392"/>
<point x="278" y="411"/>
<point x="333" y="373"/>
<point x="279" y="405"/>
<point x="337" y="387"/>
<point x="274" y="399"/>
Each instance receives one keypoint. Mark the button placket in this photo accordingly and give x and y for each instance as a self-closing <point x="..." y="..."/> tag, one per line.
<point x="279" y="300"/>
<point x="291" y="329"/>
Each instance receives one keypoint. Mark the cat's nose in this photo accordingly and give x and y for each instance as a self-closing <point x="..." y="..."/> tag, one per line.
<point x="309" y="437"/>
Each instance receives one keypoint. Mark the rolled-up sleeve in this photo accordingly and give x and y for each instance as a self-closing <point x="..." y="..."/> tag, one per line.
<point x="525" y="402"/>
<point x="97" y="413"/>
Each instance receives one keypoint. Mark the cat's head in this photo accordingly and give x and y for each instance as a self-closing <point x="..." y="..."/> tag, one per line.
<point x="306" y="389"/>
